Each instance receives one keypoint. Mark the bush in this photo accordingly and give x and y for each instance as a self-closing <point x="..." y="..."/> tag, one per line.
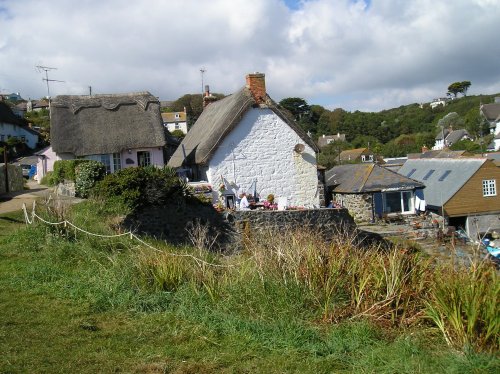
<point x="48" y="179"/>
<point x="137" y="187"/>
<point x="87" y="175"/>
<point x="65" y="170"/>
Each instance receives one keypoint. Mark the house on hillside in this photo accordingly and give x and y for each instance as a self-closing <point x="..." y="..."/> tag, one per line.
<point x="120" y="130"/>
<point x="447" y="137"/>
<point x="11" y="126"/>
<point x="370" y="191"/>
<point x="463" y="190"/>
<point x="175" y="121"/>
<point x="437" y="102"/>
<point x="491" y="113"/>
<point x="442" y="153"/>
<point x="37" y="105"/>
<point x="324" y="140"/>
<point x="357" y="155"/>
<point x="246" y="144"/>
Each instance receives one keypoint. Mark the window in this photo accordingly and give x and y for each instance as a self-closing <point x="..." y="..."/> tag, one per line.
<point x="117" y="162"/>
<point x="177" y="116"/>
<point x="143" y="158"/>
<point x="23" y="138"/>
<point x="101" y="158"/>
<point x="177" y="126"/>
<point x="398" y="202"/>
<point x="411" y="172"/>
<point x="2" y="138"/>
<point x="489" y="187"/>
<point x="427" y="176"/>
<point x="445" y="174"/>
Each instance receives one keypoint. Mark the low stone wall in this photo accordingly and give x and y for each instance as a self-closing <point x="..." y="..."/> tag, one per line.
<point x="16" y="181"/>
<point x="65" y="189"/>
<point x="184" y="224"/>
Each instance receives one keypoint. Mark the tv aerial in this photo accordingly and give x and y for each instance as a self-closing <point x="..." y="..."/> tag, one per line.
<point x="41" y="68"/>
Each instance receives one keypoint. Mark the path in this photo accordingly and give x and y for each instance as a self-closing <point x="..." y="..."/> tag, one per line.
<point x="14" y="201"/>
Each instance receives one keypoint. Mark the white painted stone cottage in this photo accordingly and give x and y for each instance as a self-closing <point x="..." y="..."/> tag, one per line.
<point x="244" y="141"/>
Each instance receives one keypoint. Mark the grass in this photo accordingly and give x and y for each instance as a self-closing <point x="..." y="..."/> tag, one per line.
<point x="70" y="303"/>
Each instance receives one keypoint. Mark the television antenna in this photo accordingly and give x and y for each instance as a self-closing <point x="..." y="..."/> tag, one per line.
<point x="46" y="79"/>
<point x="202" y="71"/>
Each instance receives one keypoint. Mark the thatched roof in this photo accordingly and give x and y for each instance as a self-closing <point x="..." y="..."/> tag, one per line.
<point x="366" y="178"/>
<point x="216" y="121"/>
<point x="102" y="124"/>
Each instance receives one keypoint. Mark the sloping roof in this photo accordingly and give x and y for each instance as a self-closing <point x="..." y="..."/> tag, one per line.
<point x="443" y="177"/>
<point x="323" y="140"/>
<point x="102" y="124"/>
<point x="456" y="135"/>
<point x="7" y="116"/>
<point x="216" y="121"/>
<point x="491" y="111"/>
<point x="171" y="117"/>
<point x="443" y="153"/>
<point x="353" y="154"/>
<point x="442" y="133"/>
<point x="361" y="178"/>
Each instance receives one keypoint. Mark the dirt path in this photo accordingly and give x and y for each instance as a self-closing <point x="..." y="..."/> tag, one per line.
<point x="13" y="201"/>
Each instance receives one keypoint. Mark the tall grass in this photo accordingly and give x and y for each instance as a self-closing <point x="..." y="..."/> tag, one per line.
<point x="278" y="280"/>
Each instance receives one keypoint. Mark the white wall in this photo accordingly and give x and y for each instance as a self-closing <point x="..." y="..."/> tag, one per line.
<point x="8" y="129"/>
<point x="261" y="148"/>
<point x="182" y="126"/>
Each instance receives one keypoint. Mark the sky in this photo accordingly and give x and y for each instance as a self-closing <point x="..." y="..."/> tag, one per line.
<point x="364" y="55"/>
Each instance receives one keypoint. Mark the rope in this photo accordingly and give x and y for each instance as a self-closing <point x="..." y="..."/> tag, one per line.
<point x="132" y="236"/>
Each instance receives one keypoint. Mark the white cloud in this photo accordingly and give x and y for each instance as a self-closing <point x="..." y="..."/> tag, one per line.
<point x="361" y="55"/>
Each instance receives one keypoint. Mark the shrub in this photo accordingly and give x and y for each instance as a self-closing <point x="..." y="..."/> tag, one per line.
<point x="87" y="175"/>
<point x="137" y="187"/>
<point x="65" y="170"/>
<point x="48" y="179"/>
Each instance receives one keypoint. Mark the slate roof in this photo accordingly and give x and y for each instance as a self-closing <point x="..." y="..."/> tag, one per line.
<point x="443" y="177"/>
<point x="440" y="134"/>
<point x="8" y="116"/>
<point x="443" y="153"/>
<point x="102" y="124"/>
<point x="363" y="178"/>
<point x="216" y="121"/>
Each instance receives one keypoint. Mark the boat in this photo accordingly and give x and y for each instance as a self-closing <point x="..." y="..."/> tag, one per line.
<point x="493" y="247"/>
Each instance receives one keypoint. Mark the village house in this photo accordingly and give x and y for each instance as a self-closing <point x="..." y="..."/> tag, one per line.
<point x="370" y="191"/>
<point x="244" y="143"/>
<point x="324" y="140"/>
<point x="491" y="113"/>
<point x="463" y="190"/>
<point x="119" y="130"/>
<point x="357" y="155"/>
<point x="175" y="121"/>
<point x="447" y="137"/>
<point x="11" y="126"/>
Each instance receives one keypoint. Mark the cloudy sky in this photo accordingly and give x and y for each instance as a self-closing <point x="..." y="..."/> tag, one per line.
<point x="353" y="54"/>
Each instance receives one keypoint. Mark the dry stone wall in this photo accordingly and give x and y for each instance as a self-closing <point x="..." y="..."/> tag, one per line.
<point x="358" y="205"/>
<point x="15" y="175"/>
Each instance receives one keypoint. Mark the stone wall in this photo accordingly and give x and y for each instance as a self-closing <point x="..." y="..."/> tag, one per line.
<point x="177" y="224"/>
<point x="65" y="189"/>
<point x="16" y="181"/>
<point x="358" y="205"/>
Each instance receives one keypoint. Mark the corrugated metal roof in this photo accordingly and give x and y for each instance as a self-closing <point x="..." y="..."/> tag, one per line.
<point x="440" y="188"/>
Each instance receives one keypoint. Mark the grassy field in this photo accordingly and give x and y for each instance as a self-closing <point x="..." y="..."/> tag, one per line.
<point x="72" y="303"/>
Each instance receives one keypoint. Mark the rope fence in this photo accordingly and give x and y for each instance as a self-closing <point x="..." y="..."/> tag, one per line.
<point x="30" y="219"/>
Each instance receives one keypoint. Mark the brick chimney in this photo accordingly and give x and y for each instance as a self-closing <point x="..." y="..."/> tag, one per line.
<point x="424" y="149"/>
<point x="208" y="97"/>
<point x="256" y="82"/>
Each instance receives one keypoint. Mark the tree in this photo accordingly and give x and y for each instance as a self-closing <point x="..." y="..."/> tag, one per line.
<point x="458" y="87"/>
<point x="329" y="155"/>
<point x="295" y="105"/>
<point x="452" y="120"/>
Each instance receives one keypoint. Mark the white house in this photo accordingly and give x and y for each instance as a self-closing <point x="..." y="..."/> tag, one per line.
<point x="491" y="112"/>
<point x="12" y="126"/>
<point x="175" y="121"/>
<point x="447" y="137"/>
<point x="244" y="141"/>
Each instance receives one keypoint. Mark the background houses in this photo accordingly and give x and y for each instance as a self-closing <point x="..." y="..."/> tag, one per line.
<point x="11" y="126"/>
<point x="463" y="190"/>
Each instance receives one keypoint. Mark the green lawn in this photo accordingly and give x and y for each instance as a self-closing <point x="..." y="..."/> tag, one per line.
<point x="76" y="306"/>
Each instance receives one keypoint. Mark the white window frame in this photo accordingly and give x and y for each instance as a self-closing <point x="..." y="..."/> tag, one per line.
<point x="411" y="201"/>
<point x="489" y="187"/>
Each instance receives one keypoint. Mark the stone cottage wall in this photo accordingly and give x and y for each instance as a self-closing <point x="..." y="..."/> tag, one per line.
<point x="358" y="205"/>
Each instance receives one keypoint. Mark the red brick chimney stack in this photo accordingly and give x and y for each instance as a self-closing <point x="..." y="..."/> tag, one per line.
<point x="424" y="149"/>
<point x="256" y="82"/>
<point x="208" y="97"/>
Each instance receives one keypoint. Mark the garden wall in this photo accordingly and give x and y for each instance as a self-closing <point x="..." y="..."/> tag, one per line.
<point x="175" y="223"/>
<point x="16" y="181"/>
